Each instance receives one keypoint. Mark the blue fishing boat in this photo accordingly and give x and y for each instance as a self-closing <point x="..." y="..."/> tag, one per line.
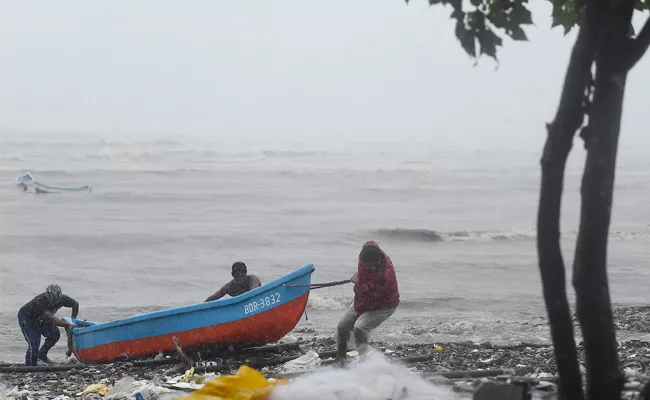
<point x="261" y="316"/>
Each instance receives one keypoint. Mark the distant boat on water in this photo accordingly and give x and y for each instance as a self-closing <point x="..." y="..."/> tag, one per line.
<point x="30" y="185"/>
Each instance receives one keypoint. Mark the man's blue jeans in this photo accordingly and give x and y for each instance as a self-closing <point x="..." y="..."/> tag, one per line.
<point x="32" y="331"/>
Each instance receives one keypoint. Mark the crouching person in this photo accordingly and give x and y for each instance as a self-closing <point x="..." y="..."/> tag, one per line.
<point x="376" y="297"/>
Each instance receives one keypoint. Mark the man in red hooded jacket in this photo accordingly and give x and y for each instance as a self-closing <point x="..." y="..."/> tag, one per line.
<point x="376" y="297"/>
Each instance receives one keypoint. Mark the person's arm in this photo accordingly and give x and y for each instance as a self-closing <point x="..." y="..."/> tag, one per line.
<point x="362" y="288"/>
<point x="57" y="321"/>
<point x="372" y="287"/>
<point x="254" y="282"/>
<point x="219" y="294"/>
<point x="71" y="303"/>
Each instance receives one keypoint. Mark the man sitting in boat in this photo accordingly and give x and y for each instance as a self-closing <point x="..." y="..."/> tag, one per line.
<point x="242" y="283"/>
<point x="37" y="318"/>
<point x="376" y="297"/>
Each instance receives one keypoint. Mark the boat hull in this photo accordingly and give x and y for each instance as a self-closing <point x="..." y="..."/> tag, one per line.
<point x="263" y="315"/>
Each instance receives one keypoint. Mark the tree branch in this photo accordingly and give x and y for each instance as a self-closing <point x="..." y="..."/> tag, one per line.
<point x="638" y="47"/>
<point x="568" y="119"/>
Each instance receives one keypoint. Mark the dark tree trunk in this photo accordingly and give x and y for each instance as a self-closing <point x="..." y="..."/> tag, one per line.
<point x="568" y="119"/>
<point x="593" y="305"/>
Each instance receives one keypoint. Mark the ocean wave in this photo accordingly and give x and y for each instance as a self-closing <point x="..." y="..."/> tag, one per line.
<point x="326" y="303"/>
<point x="89" y="143"/>
<point x="12" y="158"/>
<point x="427" y="235"/>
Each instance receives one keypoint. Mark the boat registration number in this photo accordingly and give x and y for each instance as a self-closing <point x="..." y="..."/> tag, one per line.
<point x="262" y="303"/>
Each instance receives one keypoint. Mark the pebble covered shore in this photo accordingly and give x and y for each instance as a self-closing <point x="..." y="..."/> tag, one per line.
<point x="534" y="362"/>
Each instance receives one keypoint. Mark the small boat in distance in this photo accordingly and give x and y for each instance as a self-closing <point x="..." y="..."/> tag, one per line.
<point x="28" y="184"/>
<point x="263" y="315"/>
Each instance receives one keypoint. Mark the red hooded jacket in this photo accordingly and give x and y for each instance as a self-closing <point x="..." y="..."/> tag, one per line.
<point x="378" y="289"/>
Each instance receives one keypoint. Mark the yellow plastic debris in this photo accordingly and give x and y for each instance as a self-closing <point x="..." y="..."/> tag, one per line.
<point x="247" y="384"/>
<point x="438" y="349"/>
<point x="96" y="388"/>
<point x="188" y="375"/>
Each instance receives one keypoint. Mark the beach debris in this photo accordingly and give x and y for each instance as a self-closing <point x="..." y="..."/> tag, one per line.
<point x="246" y="384"/>
<point x="147" y="390"/>
<point x="491" y="390"/>
<point x="185" y="360"/>
<point x="96" y="388"/>
<point x="122" y="388"/>
<point x="182" y="382"/>
<point x="190" y="377"/>
<point x="372" y="377"/>
<point x="307" y="362"/>
<point x="458" y="365"/>
<point x="17" y="393"/>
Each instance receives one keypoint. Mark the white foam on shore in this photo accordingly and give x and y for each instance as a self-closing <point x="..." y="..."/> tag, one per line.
<point x="373" y="378"/>
<point x="327" y="303"/>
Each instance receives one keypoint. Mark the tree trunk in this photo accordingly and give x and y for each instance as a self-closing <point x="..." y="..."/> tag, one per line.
<point x="593" y="305"/>
<point x="568" y="119"/>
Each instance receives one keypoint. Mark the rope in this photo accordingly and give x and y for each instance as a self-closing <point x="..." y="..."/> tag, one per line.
<point x="321" y="285"/>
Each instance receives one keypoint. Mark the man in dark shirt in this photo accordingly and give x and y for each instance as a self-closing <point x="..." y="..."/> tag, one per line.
<point x="242" y="283"/>
<point x="37" y="319"/>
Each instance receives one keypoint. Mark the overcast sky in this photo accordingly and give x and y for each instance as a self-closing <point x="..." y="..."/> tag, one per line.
<point x="335" y="70"/>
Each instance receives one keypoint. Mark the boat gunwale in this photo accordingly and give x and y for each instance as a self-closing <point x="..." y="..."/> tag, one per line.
<point x="170" y="312"/>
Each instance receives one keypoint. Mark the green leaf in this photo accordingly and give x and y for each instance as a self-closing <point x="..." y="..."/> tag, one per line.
<point x="469" y="45"/>
<point x="489" y="42"/>
<point x="456" y="4"/>
<point x="568" y="19"/>
<point x="467" y="40"/>
<point x="457" y="14"/>
<point x="518" y="34"/>
<point x="522" y="16"/>
<point x="500" y="20"/>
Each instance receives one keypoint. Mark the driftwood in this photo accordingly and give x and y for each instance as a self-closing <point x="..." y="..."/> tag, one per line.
<point x="470" y="374"/>
<point x="184" y="359"/>
<point x="281" y="360"/>
<point x="39" y="368"/>
<point x="278" y="348"/>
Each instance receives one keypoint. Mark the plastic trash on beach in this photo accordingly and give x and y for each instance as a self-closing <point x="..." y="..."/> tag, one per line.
<point x="145" y="391"/>
<point x="303" y="363"/>
<point x="122" y="389"/>
<point x="247" y="384"/>
<point x="16" y="393"/>
<point x="196" y="382"/>
<point x="373" y="377"/>
<point x="96" y="388"/>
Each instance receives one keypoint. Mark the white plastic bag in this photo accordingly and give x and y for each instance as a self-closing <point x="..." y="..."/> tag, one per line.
<point x="122" y="389"/>
<point x="304" y="363"/>
<point x="369" y="379"/>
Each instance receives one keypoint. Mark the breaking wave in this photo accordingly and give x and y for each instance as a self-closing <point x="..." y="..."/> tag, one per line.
<point x="426" y="235"/>
<point x="327" y="303"/>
